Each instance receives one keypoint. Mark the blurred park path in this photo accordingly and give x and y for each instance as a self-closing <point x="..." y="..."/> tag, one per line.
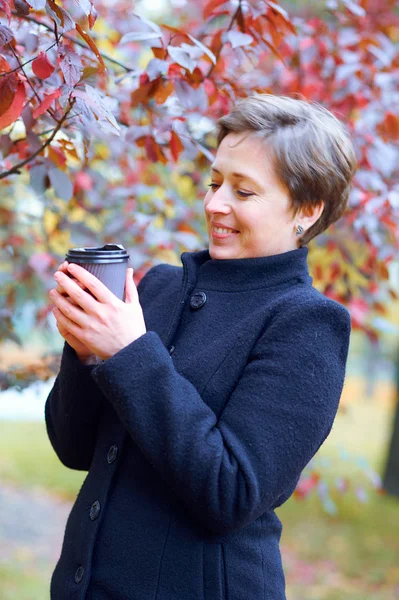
<point x="32" y="524"/>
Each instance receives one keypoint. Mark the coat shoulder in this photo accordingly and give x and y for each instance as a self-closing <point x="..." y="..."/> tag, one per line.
<point x="305" y="300"/>
<point x="160" y="276"/>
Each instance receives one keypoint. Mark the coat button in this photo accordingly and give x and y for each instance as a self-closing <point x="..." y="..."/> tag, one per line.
<point x="79" y="574"/>
<point x="95" y="510"/>
<point x="198" y="300"/>
<point x="171" y="350"/>
<point x="112" y="452"/>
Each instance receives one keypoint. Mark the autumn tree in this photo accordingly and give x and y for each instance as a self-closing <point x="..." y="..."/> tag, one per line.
<point x="107" y="123"/>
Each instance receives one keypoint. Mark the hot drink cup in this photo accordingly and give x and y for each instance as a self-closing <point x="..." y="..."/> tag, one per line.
<point x="108" y="263"/>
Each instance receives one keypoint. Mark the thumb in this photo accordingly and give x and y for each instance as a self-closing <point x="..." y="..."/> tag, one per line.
<point x="130" y="288"/>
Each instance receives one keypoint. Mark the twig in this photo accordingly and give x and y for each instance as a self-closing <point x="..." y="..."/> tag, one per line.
<point x="70" y="38"/>
<point x="30" y="83"/>
<point x="217" y="55"/>
<point x="25" y="63"/>
<point x="15" y="168"/>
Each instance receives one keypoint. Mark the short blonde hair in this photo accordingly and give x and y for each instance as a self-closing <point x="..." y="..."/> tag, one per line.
<point x="311" y="150"/>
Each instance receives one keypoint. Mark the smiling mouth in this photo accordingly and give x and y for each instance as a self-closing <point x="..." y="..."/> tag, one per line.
<point x="224" y="230"/>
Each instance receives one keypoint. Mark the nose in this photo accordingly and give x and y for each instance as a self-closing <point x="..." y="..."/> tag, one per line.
<point x="217" y="203"/>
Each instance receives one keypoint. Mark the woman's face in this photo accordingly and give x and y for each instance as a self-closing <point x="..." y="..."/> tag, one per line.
<point x="247" y="198"/>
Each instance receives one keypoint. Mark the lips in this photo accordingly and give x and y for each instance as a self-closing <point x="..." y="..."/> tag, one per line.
<point x="224" y="227"/>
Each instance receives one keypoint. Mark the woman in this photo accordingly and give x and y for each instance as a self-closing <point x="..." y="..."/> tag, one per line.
<point x="219" y="382"/>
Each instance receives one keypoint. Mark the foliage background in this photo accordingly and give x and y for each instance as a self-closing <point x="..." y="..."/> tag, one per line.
<point x="106" y="135"/>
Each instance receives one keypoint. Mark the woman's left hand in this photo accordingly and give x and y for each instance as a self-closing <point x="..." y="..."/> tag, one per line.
<point x="103" y="323"/>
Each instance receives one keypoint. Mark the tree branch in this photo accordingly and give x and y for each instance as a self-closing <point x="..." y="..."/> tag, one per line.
<point x="70" y="38"/>
<point x="217" y="55"/>
<point x="15" y="168"/>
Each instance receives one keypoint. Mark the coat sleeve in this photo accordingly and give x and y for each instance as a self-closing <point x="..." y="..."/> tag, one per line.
<point x="74" y="407"/>
<point x="72" y="412"/>
<point x="229" y="472"/>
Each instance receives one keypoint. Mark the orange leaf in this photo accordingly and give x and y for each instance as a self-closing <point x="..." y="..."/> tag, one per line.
<point x="13" y="112"/>
<point x="42" y="67"/>
<point x="43" y="106"/>
<point x="92" y="17"/>
<point x="143" y="93"/>
<point x="159" y="53"/>
<point x="163" y="92"/>
<point x="186" y="228"/>
<point x="176" y="145"/>
<point x="92" y="45"/>
<point x="4" y="66"/>
<point x="389" y="128"/>
<point x="57" y="156"/>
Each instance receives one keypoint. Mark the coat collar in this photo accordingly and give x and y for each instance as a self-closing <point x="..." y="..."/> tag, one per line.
<point x="238" y="274"/>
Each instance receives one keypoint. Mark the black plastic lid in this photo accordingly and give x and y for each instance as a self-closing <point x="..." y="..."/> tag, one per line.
<point x="110" y="253"/>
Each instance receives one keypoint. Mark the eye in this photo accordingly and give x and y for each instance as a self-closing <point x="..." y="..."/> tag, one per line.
<point x="238" y="192"/>
<point x="244" y="194"/>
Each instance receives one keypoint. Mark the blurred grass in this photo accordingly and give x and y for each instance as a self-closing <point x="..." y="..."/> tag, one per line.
<point x="353" y="554"/>
<point x="27" y="459"/>
<point x="23" y="582"/>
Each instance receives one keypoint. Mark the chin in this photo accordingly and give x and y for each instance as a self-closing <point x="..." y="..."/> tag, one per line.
<point x="218" y="253"/>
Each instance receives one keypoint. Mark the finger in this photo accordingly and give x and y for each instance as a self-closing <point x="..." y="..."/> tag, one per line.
<point x="62" y="291"/>
<point x="68" y="325"/>
<point x="69" y="309"/>
<point x="130" y="287"/>
<point x="92" y="283"/>
<point x="76" y="290"/>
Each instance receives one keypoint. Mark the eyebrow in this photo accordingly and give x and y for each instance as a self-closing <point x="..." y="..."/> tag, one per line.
<point x="242" y="175"/>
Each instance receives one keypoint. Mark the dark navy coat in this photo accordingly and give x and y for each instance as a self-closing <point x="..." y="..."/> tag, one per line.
<point x="193" y="434"/>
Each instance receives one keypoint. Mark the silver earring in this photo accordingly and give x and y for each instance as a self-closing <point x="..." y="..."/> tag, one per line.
<point x="299" y="230"/>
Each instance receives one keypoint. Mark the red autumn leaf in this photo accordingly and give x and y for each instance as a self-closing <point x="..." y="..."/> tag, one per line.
<point x="151" y="148"/>
<point x="83" y="181"/>
<point x="211" y="6"/>
<point x="43" y="106"/>
<point x="42" y="67"/>
<point x="15" y="109"/>
<point x="8" y="87"/>
<point x="305" y="486"/>
<point x="6" y="6"/>
<point x="176" y="145"/>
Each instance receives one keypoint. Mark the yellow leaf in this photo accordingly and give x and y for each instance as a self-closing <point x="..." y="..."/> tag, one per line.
<point x="159" y="222"/>
<point x="145" y="58"/>
<point x="185" y="188"/>
<point x="60" y="242"/>
<point x="170" y="211"/>
<point x="102" y="151"/>
<point x="50" y="221"/>
<point x="93" y="223"/>
<point x="77" y="214"/>
<point x="170" y="257"/>
<point x="159" y="192"/>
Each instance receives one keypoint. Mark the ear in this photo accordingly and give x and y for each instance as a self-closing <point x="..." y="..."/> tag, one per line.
<point x="308" y="216"/>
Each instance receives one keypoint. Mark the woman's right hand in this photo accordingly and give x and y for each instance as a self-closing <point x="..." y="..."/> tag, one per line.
<point x="83" y="352"/>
